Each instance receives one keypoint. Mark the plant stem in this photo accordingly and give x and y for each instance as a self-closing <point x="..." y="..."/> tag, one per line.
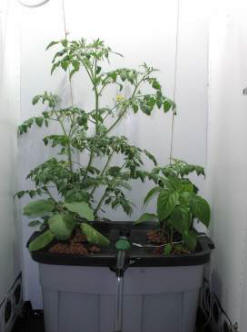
<point x="126" y="107"/>
<point x="100" y="203"/>
<point x="69" y="152"/>
<point x="116" y="122"/>
<point x="103" y="171"/>
<point x="49" y="194"/>
<point x="88" y="165"/>
<point x="97" y="110"/>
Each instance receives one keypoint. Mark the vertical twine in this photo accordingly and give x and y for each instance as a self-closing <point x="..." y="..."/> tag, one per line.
<point x="66" y="33"/>
<point x="175" y="80"/>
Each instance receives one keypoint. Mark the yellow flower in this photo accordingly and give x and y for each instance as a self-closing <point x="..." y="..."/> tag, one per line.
<point x="119" y="98"/>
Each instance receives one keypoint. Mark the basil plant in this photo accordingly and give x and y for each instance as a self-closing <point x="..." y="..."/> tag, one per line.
<point x="178" y="204"/>
<point x="67" y="188"/>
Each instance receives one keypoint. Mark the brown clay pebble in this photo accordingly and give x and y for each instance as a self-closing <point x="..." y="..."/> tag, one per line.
<point x="94" y="249"/>
<point x="78" y="237"/>
<point x="156" y="237"/>
<point x="78" y="249"/>
<point x="73" y="249"/>
<point x="158" y="251"/>
<point x="59" y="248"/>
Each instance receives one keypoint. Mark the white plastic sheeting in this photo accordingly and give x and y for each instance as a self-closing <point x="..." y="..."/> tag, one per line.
<point x="9" y="112"/>
<point x="155" y="32"/>
<point x="227" y="161"/>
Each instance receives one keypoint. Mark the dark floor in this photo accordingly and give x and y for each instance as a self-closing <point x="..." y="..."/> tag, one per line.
<point x="32" y="321"/>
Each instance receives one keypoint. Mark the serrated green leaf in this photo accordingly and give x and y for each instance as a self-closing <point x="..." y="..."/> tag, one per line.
<point x="75" y="195"/>
<point x="151" y="157"/>
<point x="34" y="223"/>
<point x="151" y="193"/>
<point x="166" y="203"/>
<point x="146" y="217"/>
<point x="35" y="100"/>
<point x="51" y="44"/>
<point x="41" y="241"/>
<point x="81" y="208"/>
<point x="39" y="208"/>
<point x="64" y="42"/>
<point x="62" y="225"/>
<point x="64" y="64"/>
<point x="167" y="106"/>
<point x="93" y="236"/>
<point x="54" y="66"/>
<point x="39" y="121"/>
<point x="114" y="171"/>
<point x="20" y="193"/>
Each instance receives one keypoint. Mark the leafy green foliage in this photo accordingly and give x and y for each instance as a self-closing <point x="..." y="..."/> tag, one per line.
<point x="166" y="203"/>
<point x="151" y="193"/>
<point x="62" y="225"/>
<point x="81" y="208"/>
<point x="167" y="249"/>
<point x="146" y="217"/>
<point x="200" y="209"/>
<point x="70" y="186"/>
<point x="178" y="203"/>
<point x="93" y="236"/>
<point x="41" y="241"/>
<point x="39" y="208"/>
<point x="34" y="223"/>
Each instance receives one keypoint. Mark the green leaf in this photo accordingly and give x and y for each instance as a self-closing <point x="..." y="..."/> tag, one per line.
<point x="181" y="219"/>
<point x="51" y="44"/>
<point x="34" y="223"/>
<point x="35" y="99"/>
<point x="167" y="105"/>
<point x="114" y="171"/>
<point x="81" y="208"/>
<point x="151" y="193"/>
<point x="75" y="195"/>
<point x="62" y="225"/>
<point x="39" y="121"/>
<point x="166" y="203"/>
<point x="186" y="197"/>
<point x="156" y="85"/>
<point x="151" y="157"/>
<point x="64" y="64"/>
<point x="54" y="66"/>
<point x="146" y="217"/>
<point x="39" y="208"/>
<point x="21" y="193"/>
<point x="98" y="69"/>
<point x="167" y="249"/>
<point x="76" y="64"/>
<point x="64" y="42"/>
<point x="41" y="241"/>
<point x="93" y="236"/>
<point x="190" y="240"/>
<point x="72" y="72"/>
<point x="200" y="209"/>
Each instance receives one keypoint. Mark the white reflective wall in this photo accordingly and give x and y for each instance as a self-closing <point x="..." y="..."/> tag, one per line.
<point x="9" y="112"/>
<point x="227" y="161"/>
